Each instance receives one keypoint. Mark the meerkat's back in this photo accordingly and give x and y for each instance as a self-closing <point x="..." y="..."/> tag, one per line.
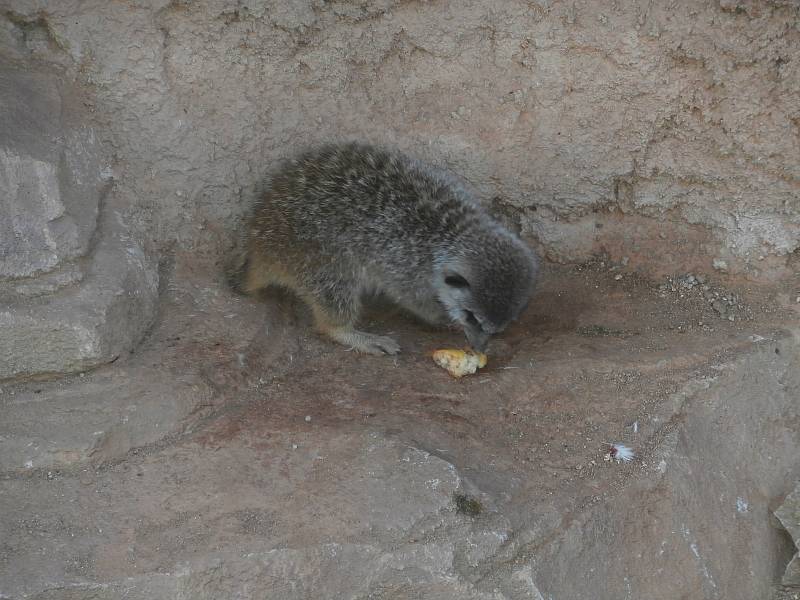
<point x="357" y="198"/>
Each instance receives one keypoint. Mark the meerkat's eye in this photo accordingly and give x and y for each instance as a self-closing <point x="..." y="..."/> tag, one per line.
<point x="457" y="281"/>
<point x="470" y="317"/>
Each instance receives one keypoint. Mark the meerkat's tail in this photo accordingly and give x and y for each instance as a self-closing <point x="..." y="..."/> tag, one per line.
<point x="234" y="274"/>
<point x="236" y="266"/>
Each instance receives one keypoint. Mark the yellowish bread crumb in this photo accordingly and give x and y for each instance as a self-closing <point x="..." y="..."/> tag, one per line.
<point x="459" y="362"/>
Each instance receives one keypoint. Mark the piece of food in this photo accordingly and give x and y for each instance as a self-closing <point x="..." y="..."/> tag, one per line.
<point x="459" y="362"/>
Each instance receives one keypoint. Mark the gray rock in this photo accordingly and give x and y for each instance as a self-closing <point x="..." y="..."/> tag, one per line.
<point x="57" y="315"/>
<point x="789" y="516"/>
<point x="34" y="236"/>
<point x="213" y="484"/>
<point x="50" y="177"/>
<point x="87" y="325"/>
<point x="602" y="127"/>
<point x="94" y="419"/>
<point x="47" y="283"/>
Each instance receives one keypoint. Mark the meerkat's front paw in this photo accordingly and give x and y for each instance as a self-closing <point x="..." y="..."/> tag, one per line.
<point x="368" y="343"/>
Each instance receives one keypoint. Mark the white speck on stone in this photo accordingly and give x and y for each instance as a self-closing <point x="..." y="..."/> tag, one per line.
<point x="28" y="464"/>
<point x="741" y="505"/>
<point x="617" y="277"/>
<point x="294" y="446"/>
<point x="308" y="418"/>
<point x="720" y="265"/>
<point x="687" y="535"/>
<point x="662" y="466"/>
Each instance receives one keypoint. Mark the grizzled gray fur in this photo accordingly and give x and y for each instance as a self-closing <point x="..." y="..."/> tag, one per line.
<point x="342" y="221"/>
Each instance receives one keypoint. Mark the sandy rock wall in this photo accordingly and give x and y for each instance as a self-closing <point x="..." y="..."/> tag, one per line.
<point x="667" y="134"/>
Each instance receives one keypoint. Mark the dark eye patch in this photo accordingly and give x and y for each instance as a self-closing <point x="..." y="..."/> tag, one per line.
<point x="456" y="281"/>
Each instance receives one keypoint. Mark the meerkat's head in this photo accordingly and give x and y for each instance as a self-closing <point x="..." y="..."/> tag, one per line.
<point x="486" y="284"/>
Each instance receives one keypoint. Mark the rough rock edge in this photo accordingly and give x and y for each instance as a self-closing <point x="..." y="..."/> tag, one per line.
<point x="106" y="315"/>
<point x="789" y="516"/>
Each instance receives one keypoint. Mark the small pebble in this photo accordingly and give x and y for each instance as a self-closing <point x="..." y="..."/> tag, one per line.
<point x="617" y="277"/>
<point x="308" y="418"/>
<point x="294" y="446"/>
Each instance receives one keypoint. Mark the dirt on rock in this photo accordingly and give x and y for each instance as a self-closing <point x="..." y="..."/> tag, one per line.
<point x="301" y="470"/>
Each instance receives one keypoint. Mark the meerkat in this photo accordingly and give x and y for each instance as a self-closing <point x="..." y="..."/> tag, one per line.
<point x="345" y="220"/>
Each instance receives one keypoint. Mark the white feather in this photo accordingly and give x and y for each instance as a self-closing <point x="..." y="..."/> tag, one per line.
<point x="621" y="453"/>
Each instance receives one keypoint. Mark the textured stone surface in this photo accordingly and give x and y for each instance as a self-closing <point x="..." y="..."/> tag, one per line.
<point x="81" y="326"/>
<point x="74" y="295"/>
<point x="50" y="176"/>
<point x="31" y="203"/>
<point x="233" y="455"/>
<point x="789" y="516"/>
<point x="238" y="455"/>
<point x="667" y="134"/>
<point x="99" y="419"/>
<point x="47" y="283"/>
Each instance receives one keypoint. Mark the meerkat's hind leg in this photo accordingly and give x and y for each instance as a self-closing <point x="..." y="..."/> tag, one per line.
<point x="259" y="273"/>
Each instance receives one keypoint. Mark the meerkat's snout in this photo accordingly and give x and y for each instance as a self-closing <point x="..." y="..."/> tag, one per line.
<point x="478" y="338"/>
